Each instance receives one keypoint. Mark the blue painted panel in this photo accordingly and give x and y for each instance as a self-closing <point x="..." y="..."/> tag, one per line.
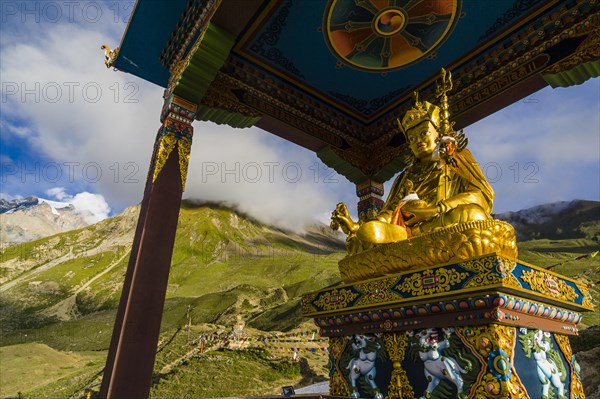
<point x="295" y="34"/>
<point x="151" y="25"/>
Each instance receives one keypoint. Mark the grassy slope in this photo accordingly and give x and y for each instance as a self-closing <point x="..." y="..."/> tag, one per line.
<point x="43" y="365"/>
<point x="224" y="265"/>
<point x="221" y="262"/>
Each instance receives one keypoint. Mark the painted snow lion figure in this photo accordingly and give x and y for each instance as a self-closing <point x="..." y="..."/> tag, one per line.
<point x="363" y="363"/>
<point x="439" y="367"/>
<point x="550" y="367"/>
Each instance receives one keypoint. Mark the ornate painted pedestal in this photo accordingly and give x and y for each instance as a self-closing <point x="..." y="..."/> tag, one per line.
<point x="488" y="327"/>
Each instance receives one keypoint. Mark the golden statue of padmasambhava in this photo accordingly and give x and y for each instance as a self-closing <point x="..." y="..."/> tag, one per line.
<point x="443" y="186"/>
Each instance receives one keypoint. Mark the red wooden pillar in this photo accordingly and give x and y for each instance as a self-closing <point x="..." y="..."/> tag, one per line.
<point x="132" y="351"/>
<point x="370" y="200"/>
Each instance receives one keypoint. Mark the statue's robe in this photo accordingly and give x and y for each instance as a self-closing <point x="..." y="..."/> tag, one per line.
<point x="460" y="191"/>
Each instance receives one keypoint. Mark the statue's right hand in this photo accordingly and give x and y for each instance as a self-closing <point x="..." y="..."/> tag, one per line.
<point x="334" y="225"/>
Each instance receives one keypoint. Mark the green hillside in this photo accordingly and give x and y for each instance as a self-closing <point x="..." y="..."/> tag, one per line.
<point x="59" y="294"/>
<point x="62" y="292"/>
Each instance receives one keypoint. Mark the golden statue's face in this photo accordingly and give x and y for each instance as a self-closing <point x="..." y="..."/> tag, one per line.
<point x="421" y="140"/>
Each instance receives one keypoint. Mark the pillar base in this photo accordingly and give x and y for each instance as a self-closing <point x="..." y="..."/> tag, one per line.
<point x="462" y="330"/>
<point x="489" y="361"/>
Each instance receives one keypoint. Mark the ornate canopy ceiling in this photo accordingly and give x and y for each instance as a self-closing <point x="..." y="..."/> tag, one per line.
<point x="334" y="75"/>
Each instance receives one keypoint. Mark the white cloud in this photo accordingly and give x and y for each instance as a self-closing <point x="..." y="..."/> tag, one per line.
<point x="18" y="131"/>
<point x="59" y="193"/>
<point x="92" y="207"/>
<point x="282" y="185"/>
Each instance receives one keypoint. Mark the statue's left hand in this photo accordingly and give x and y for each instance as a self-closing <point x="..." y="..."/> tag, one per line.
<point x="421" y="214"/>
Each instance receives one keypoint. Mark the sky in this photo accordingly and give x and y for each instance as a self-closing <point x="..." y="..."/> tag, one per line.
<point x="73" y="130"/>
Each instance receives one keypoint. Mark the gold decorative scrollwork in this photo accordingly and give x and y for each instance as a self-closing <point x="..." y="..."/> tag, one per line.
<point x="165" y="146"/>
<point x="176" y="130"/>
<point x="377" y="291"/>
<point x="480" y="339"/>
<point x="547" y="284"/>
<point x="565" y="347"/>
<point x="484" y="340"/>
<point x="177" y="70"/>
<point x="184" y="149"/>
<point x="335" y="299"/>
<point x="506" y="337"/>
<point x="488" y="274"/>
<point x="587" y="297"/>
<point x="489" y="387"/>
<point x="588" y="50"/>
<point x="338" y="386"/>
<point x="399" y="388"/>
<point x="493" y="388"/>
<point x="306" y="308"/>
<point x="441" y="280"/>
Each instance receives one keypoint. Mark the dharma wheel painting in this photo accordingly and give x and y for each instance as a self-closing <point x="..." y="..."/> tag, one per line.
<point x="383" y="35"/>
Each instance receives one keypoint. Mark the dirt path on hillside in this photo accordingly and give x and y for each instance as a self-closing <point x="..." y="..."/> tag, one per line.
<point x="180" y="360"/>
<point x="68" y="256"/>
<point x="67" y="308"/>
<point x="43" y="268"/>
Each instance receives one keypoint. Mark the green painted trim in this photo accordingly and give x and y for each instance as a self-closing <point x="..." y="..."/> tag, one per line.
<point x="205" y="63"/>
<point x="575" y="76"/>
<point x="334" y="161"/>
<point x="209" y="57"/>
<point x="223" y="117"/>
<point x="355" y="175"/>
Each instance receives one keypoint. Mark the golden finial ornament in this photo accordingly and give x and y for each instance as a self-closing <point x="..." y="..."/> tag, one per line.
<point x="443" y="86"/>
<point x="109" y="55"/>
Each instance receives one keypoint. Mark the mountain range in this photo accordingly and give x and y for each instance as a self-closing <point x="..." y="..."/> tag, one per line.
<point x="28" y="219"/>
<point x="557" y="220"/>
<point x="32" y="218"/>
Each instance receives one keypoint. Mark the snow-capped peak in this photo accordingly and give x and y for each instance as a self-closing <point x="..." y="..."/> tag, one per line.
<point x="55" y="205"/>
<point x="10" y="206"/>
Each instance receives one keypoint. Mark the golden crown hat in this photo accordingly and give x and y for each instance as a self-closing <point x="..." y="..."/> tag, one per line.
<point x="423" y="111"/>
<point x="420" y="112"/>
